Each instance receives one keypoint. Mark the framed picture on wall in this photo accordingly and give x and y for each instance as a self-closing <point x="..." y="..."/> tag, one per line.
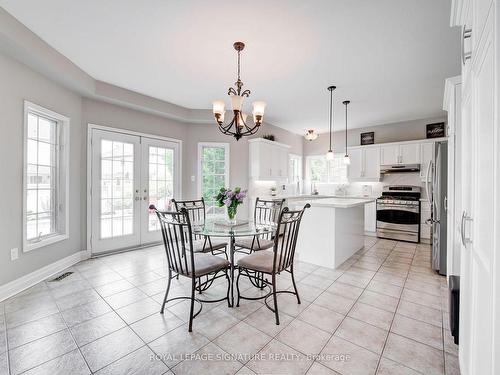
<point x="367" y="138"/>
<point x="436" y="130"/>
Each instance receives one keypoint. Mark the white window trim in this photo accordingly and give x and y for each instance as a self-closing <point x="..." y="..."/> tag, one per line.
<point x="63" y="178"/>
<point x="299" y="158"/>
<point x="226" y="161"/>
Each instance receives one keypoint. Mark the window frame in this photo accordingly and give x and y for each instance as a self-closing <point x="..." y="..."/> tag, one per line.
<point x="300" y="168"/>
<point x="199" y="161"/>
<point x="62" y="177"/>
<point x="328" y="166"/>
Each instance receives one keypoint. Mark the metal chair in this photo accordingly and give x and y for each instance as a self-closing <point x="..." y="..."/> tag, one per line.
<point x="274" y="262"/>
<point x="265" y="212"/>
<point x="197" y="215"/>
<point x="183" y="260"/>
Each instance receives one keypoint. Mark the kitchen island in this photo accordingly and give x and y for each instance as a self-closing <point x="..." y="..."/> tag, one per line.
<point x="332" y="230"/>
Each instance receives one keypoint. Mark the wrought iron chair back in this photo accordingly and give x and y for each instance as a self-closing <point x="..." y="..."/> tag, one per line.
<point x="177" y="237"/>
<point x="196" y="212"/>
<point x="284" y="244"/>
<point x="266" y="212"/>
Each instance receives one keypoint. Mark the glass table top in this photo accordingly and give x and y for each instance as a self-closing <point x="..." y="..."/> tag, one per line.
<point x="221" y="228"/>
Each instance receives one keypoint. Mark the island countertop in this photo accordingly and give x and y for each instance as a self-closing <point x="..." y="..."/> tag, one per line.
<point x="336" y="202"/>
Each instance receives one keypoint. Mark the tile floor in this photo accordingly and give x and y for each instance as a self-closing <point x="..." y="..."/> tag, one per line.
<point x="383" y="312"/>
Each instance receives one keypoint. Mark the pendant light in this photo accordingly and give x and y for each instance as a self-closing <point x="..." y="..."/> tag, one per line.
<point x="329" y="154"/>
<point x="347" y="160"/>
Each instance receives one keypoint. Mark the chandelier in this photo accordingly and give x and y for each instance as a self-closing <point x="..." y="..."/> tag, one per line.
<point x="311" y="135"/>
<point x="238" y="126"/>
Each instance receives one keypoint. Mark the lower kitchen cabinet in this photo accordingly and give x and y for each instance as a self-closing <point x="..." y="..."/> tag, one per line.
<point x="371" y="218"/>
<point x="425" y="214"/>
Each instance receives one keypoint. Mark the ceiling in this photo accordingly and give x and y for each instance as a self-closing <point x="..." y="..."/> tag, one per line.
<point x="389" y="57"/>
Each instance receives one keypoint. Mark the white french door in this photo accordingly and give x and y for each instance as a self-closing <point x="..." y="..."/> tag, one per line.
<point x="128" y="173"/>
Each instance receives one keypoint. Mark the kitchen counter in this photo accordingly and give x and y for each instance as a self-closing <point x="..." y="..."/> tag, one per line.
<point x="316" y="197"/>
<point x="332" y="230"/>
<point x="344" y="202"/>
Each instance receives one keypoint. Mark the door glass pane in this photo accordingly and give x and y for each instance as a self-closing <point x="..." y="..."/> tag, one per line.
<point x="117" y="188"/>
<point x="160" y="181"/>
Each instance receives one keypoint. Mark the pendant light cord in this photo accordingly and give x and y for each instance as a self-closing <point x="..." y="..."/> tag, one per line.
<point x="331" y="114"/>
<point x="346" y="129"/>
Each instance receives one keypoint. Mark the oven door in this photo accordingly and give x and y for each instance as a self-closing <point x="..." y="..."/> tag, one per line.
<point x="399" y="217"/>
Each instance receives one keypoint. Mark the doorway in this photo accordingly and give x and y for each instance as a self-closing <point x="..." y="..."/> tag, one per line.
<point x="129" y="172"/>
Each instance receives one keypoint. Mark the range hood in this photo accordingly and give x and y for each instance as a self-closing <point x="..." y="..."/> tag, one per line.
<point x="400" y="168"/>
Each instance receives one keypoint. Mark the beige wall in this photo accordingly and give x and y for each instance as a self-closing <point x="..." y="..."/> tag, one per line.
<point x="19" y="83"/>
<point x="395" y="132"/>
<point x="106" y="114"/>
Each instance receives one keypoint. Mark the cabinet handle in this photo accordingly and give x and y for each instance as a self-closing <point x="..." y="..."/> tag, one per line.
<point x="466" y="34"/>
<point x="465" y="218"/>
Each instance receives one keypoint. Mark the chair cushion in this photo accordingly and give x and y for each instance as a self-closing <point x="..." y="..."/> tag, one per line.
<point x="246" y="243"/>
<point x="260" y="261"/>
<point x="206" y="263"/>
<point x="202" y="246"/>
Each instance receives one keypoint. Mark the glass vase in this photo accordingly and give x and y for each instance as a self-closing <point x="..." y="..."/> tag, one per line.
<point x="231" y="215"/>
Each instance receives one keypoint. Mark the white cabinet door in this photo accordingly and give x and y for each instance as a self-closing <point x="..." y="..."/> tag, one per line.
<point x="409" y="153"/>
<point x="389" y="154"/>
<point x="485" y="194"/>
<point x="356" y="166"/>
<point x="265" y="157"/>
<point x="371" y="217"/>
<point x="283" y="169"/>
<point x="371" y="170"/>
<point x="275" y="161"/>
<point x="426" y="156"/>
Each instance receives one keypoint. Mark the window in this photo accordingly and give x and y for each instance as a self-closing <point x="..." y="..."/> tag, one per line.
<point x="295" y="165"/>
<point x="318" y="169"/>
<point x="45" y="177"/>
<point x="213" y="173"/>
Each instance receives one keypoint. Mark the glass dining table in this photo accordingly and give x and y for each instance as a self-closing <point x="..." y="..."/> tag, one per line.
<point x="222" y="229"/>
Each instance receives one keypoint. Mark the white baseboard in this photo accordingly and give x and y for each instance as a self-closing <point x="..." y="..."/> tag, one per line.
<point x="27" y="281"/>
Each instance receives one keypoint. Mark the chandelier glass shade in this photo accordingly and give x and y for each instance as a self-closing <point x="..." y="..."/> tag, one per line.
<point x="238" y="126"/>
<point x="311" y="135"/>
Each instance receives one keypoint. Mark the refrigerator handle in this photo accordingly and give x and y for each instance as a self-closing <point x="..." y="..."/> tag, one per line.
<point x="429" y="166"/>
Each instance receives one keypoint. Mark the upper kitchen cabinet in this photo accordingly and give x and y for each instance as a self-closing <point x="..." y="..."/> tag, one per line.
<point x="389" y="154"/>
<point x="409" y="153"/>
<point x="400" y="154"/>
<point x="268" y="159"/>
<point x="365" y="164"/>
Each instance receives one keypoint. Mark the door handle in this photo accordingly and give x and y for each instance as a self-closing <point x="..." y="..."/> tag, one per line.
<point x="466" y="34"/>
<point x="445" y="203"/>
<point x="465" y="218"/>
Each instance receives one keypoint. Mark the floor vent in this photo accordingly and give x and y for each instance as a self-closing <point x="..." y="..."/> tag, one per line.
<point x="62" y="276"/>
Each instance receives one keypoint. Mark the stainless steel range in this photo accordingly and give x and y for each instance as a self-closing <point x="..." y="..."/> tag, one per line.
<point x="398" y="213"/>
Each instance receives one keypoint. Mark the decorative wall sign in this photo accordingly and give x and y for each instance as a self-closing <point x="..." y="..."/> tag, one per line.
<point x="367" y="138"/>
<point x="436" y="130"/>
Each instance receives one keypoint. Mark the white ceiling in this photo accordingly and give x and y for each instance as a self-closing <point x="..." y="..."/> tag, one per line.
<point x="389" y="57"/>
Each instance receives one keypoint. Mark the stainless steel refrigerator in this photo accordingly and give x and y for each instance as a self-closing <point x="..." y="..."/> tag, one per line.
<point x="437" y="190"/>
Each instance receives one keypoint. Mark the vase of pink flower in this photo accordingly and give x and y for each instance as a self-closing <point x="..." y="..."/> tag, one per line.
<point x="231" y="199"/>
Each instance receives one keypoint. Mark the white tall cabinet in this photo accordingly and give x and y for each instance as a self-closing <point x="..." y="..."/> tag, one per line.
<point x="479" y="142"/>
<point x="268" y="160"/>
